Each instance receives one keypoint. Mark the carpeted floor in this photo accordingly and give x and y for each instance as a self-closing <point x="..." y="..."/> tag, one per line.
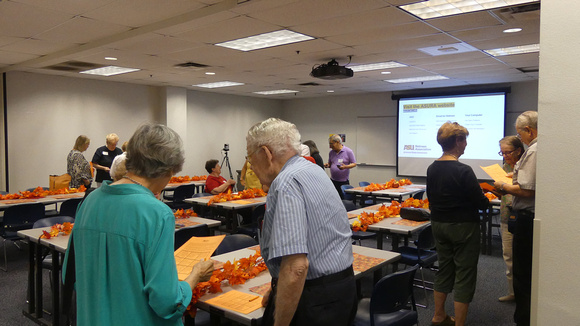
<point x="485" y="310"/>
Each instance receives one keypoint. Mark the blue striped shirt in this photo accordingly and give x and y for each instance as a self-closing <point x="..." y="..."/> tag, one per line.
<point x="304" y="215"/>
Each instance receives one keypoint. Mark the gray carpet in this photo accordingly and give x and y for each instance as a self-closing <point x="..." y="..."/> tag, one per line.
<point x="485" y="310"/>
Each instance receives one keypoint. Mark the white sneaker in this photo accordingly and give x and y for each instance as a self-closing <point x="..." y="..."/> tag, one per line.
<point x="507" y="298"/>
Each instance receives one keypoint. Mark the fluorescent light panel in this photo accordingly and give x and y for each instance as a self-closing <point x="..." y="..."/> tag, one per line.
<point x="219" y="84"/>
<point x="514" y="50"/>
<point x="377" y="66"/>
<point x="416" y="79"/>
<point x="109" y="71"/>
<point x="265" y="40"/>
<point x="441" y="8"/>
<point x="277" y="91"/>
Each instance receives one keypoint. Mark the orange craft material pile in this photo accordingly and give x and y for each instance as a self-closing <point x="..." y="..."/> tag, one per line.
<point x="180" y="213"/>
<point x="186" y="178"/>
<point x="64" y="228"/>
<point x="389" y="185"/>
<point x="245" y="194"/>
<point x="41" y="193"/>
<point x="235" y="273"/>
<point x="365" y="219"/>
<point x="490" y="196"/>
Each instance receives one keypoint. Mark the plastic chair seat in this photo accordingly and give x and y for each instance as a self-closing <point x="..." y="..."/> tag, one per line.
<point x="392" y="302"/>
<point x="412" y="256"/>
<point x="402" y="317"/>
<point x="362" y="235"/>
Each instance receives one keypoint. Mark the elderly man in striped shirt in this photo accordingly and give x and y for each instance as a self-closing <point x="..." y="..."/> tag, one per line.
<point x="306" y="235"/>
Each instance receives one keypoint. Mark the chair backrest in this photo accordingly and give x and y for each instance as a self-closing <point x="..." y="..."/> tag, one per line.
<point x="23" y="214"/>
<point x="425" y="240"/>
<point x="182" y="192"/>
<point x="393" y="292"/>
<point x="348" y="205"/>
<point x="69" y="207"/>
<point x="234" y="242"/>
<point x="184" y="234"/>
<point x="201" y="194"/>
<point x="345" y="194"/>
<point x="364" y="184"/>
<point x="419" y="195"/>
<point x="50" y="221"/>
<point x="258" y="212"/>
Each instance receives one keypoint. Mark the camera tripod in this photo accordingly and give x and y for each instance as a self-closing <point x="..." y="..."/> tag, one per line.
<point x="226" y="161"/>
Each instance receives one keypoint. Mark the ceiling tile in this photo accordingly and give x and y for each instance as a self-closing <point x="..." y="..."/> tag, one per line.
<point x="306" y="11"/>
<point x="80" y="30"/>
<point x="27" y="21"/>
<point x="465" y="21"/>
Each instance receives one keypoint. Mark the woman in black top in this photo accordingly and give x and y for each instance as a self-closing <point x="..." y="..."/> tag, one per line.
<point x="315" y="153"/>
<point x="455" y="198"/>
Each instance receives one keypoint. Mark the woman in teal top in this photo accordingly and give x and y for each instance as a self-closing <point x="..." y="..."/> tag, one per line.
<point x="123" y="241"/>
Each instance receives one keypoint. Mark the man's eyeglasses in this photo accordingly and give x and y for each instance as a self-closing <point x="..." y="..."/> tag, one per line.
<point x="505" y="153"/>
<point x="249" y="157"/>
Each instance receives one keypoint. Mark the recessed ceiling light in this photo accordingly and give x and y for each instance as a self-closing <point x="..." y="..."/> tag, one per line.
<point x="278" y="91"/>
<point x="512" y="30"/>
<point x="521" y="49"/>
<point x="385" y="72"/>
<point x="210" y="73"/>
<point x="265" y="40"/>
<point x="377" y="66"/>
<point x="109" y="71"/>
<point x="111" y="58"/>
<point x="416" y="79"/>
<point x="330" y="91"/>
<point x="219" y="84"/>
<point x="441" y="8"/>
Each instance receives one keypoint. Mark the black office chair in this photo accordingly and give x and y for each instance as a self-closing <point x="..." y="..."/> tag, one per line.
<point x="184" y="234"/>
<point x="392" y="302"/>
<point x="47" y="212"/>
<point x="179" y="194"/>
<point x="419" y="195"/>
<point x="253" y="229"/>
<point x="357" y="235"/>
<point x="234" y="242"/>
<point x="69" y="207"/>
<point x="422" y="254"/>
<point x="16" y="218"/>
<point x="202" y="211"/>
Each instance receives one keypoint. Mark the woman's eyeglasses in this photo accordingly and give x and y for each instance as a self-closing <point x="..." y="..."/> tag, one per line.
<point x="505" y="153"/>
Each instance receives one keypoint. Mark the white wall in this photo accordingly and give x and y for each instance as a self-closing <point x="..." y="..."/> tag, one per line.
<point x="556" y="286"/>
<point x="217" y="119"/>
<point x="46" y="114"/>
<point x="317" y="118"/>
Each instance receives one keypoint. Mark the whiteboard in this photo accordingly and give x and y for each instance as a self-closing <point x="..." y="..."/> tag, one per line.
<point x="376" y="140"/>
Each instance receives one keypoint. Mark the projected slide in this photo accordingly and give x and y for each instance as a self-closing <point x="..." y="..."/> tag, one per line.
<point x="420" y="118"/>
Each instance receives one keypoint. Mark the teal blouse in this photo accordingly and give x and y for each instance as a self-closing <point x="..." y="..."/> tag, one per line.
<point x="125" y="268"/>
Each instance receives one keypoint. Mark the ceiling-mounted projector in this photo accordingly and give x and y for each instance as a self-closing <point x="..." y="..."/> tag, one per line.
<point x="331" y="70"/>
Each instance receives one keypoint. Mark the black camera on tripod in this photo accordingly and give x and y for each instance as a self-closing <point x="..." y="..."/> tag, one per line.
<point x="226" y="147"/>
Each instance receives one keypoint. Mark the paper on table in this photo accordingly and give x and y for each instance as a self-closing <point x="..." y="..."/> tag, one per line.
<point x="496" y="173"/>
<point x="194" y="250"/>
<point x="237" y="301"/>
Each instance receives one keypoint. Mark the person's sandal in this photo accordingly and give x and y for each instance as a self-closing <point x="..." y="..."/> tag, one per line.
<point x="448" y="321"/>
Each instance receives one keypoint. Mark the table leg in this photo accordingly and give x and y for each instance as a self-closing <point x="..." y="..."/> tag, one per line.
<point x="38" y="282"/>
<point x="380" y="240"/>
<point x="31" y="284"/>
<point x="55" y="287"/>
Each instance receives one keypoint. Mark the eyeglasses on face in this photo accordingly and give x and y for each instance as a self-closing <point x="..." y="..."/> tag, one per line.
<point x="505" y="153"/>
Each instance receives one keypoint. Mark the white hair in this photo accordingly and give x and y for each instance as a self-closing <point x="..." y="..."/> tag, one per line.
<point x="278" y="135"/>
<point x="335" y="138"/>
<point x="527" y="119"/>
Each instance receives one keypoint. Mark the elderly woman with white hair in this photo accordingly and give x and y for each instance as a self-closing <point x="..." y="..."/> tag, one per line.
<point x="103" y="158"/>
<point x="123" y="241"/>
